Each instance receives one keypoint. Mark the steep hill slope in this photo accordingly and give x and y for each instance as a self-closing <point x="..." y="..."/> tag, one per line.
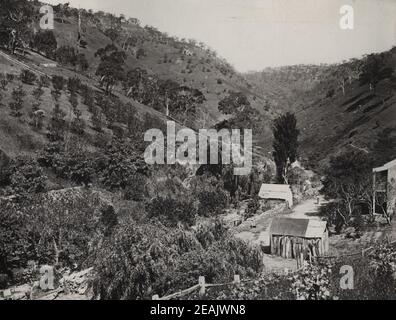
<point x="334" y="104"/>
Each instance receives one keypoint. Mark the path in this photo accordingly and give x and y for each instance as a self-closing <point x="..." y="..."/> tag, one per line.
<point x="259" y="235"/>
<point x="308" y="209"/>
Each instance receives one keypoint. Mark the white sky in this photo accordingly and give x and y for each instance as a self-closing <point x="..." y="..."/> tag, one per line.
<point x="254" y="34"/>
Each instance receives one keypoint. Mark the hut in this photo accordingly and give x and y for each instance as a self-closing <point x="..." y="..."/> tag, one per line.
<point x="290" y="237"/>
<point x="277" y="192"/>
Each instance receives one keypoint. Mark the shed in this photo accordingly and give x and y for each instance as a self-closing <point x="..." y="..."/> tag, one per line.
<point x="384" y="179"/>
<point x="277" y="191"/>
<point x="290" y="237"/>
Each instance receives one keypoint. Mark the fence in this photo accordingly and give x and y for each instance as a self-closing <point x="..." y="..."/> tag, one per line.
<point x="301" y="263"/>
<point x="202" y="285"/>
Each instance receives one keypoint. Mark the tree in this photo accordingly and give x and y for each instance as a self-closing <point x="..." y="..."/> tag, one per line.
<point x="285" y="144"/>
<point x="82" y="62"/>
<point x="66" y="55"/>
<point x="3" y="81"/>
<point x="233" y="103"/>
<point x="73" y="84"/>
<point x="58" y="82"/>
<point x="57" y="124"/>
<point x="45" y="42"/>
<point x="348" y="180"/>
<point x="375" y="68"/>
<point x="17" y="104"/>
<point x="111" y="66"/>
<point x="112" y="34"/>
<point x="28" y="77"/>
<point x="15" y="18"/>
<point x="38" y="92"/>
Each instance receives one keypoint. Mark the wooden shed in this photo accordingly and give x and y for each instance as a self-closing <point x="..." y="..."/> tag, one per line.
<point x="290" y="237"/>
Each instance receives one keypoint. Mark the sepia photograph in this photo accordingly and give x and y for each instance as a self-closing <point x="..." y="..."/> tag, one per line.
<point x="197" y="155"/>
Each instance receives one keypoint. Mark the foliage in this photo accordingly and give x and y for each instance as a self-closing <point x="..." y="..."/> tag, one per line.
<point x="73" y="84"/>
<point x="23" y="175"/>
<point x="3" y="81"/>
<point x="285" y="144"/>
<point x="110" y="69"/>
<point x="233" y="103"/>
<point x="53" y="228"/>
<point x="313" y="282"/>
<point x="45" y="42"/>
<point x="38" y="92"/>
<point x="57" y="125"/>
<point x="15" y="19"/>
<point x="58" y="82"/>
<point x="28" y="76"/>
<point x="348" y="180"/>
<point x="44" y="81"/>
<point x="161" y="260"/>
<point x="17" y="103"/>
<point x="66" y="55"/>
<point x="375" y="68"/>
<point x="171" y="211"/>
<point x="212" y="201"/>
<point x="252" y="208"/>
<point x="74" y="163"/>
<point x="136" y="190"/>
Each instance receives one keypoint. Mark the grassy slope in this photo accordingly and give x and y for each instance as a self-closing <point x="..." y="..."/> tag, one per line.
<point x="329" y="124"/>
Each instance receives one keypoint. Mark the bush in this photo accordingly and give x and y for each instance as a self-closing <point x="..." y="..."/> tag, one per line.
<point x="58" y="83"/>
<point x="211" y="202"/>
<point x="252" y="208"/>
<point x="27" y="77"/>
<point x="17" y="101"/>
<point x="136" y="190"/>
<point x="54" y="228"/>
<point x="160" y="260"/>
<point x="73" y="84"/>
<point x="44" y="81"/>
<point x="3" y="81"/>
<point x="22" y="176"/>
<point x="172" y="211"/>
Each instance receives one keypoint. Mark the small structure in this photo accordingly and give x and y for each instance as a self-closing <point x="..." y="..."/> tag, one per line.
<point x="277" y="192"/>
<point x="289" y="238"/>
<point x="384" y="195"/>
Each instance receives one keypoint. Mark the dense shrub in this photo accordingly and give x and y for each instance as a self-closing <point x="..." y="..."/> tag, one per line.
<point x="44" y="81"/>
<point x="73" y="84"/>
<point x="211" y="202"/>
<point x="51" y="228"/>
<point x="58" y="82"/>
<point x="160" y="260"/>
<point x="172" y="211"/>
<point x="16" y="104"/>
<point x="136" y="190"/>
<point x="28" y="76"/>
<point x="23" y="175"/>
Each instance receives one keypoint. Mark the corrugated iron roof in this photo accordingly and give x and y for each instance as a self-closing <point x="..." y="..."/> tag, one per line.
<point x="386" y="166"/>
<point x="304" y="228"/>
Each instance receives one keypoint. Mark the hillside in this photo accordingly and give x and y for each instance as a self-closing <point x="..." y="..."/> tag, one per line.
<point x="335" y="107"/>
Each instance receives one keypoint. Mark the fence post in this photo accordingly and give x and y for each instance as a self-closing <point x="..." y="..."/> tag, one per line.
<point x="201" y="282"/>
<point x="302" y="264"/>
<point x="237" y="279"/>
<point x="156" y="297"/>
